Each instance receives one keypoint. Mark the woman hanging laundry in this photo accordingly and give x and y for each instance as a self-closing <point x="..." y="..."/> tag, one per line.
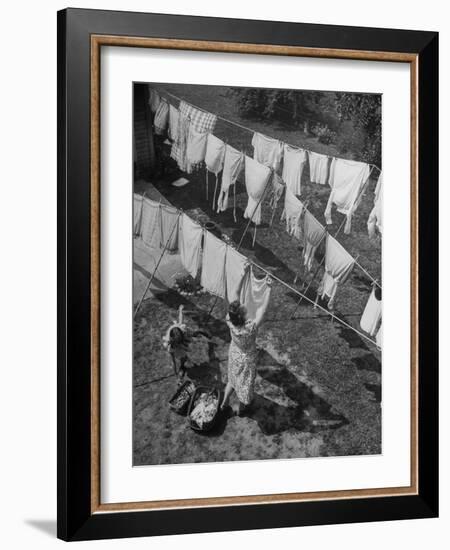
<point x="242" y="353"/>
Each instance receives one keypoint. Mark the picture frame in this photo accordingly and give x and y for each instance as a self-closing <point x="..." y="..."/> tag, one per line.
<point x="81" y="36"/>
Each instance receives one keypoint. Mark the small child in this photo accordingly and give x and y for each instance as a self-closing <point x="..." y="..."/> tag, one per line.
<point x="177" y="340"/>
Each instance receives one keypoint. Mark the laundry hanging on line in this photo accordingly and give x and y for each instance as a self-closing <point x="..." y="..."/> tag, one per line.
<point x="151" y="223"/>
<point x="161" y="119"/>
<point x="154" y="99"/>
<point x="254" y="292"/>
<point x="313" y="234"/>
<point x="195" y="149"/>
<point x="178" y="150"/>
<point x="347" y="178"/>
<point x="318" y="167"/>
<point x="169" y="216"/>
<point x="293" y="163"/>
<point x="232" y="167"/>
<point x="267" y="151"/>
<point x="174" y="116"/>
<point x="375" y="220"/>
<point x="371" y="317"/>
<point x="190" y="236"/>
<point x="276" y="190"/>
<point x="292" y="213"/>
<point x="137" y="213"/>
<point x="236" y="266"/>
<point x="256" y="178"/>
<point x="213" y="277"/>
<point x="338" y="266"/>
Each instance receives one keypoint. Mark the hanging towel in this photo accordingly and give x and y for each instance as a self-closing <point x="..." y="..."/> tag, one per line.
<point x="232" y="166"/>
<point x="375" y="220"/>
<point x="161" y="117"/>
<point x="213" y="277"/>
<point x="195" y="149"/>
<point x="190" y="244"/>
<point x="254" y="292"/>
<point x="154" y="99"/>
<point x="318" y="168"/>
<point x="267" y="151"/>
<point x="178" y="151"/>
<point x="256" y="178"/>
<point x="174" y="115"/>
<point x="293" y="162"/>
<point x="372" y="314"/>
<point x="169" y="228"/>
<point x="338" y="266"/>
<point x="235" y="268"/>
<point x="215" y="152"/>
<point x="347" y="179"/>
<point x="313" y="233"/>
<point x="292" y="213"/>
<point x="151" y="223"/>
<point x="137" y="213"/>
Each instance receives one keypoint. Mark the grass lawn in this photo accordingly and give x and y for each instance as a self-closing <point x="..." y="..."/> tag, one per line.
<point x="318" y="390"/>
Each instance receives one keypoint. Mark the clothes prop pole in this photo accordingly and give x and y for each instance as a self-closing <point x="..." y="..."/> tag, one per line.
<point x="157" y="265"/>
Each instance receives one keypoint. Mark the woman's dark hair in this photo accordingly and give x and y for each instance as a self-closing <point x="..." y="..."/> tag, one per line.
<point x="237" y="313"/>
<point x="176" y="336"/>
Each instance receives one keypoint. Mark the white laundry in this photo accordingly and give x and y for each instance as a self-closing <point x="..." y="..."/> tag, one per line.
<point x="292" y="213"/>
<point x="293" y="163"/>
<point x="375" y="220"/>
<point x="371" y="316"/>
<point x="195" y="149"/>
<point x="190" y="244"/>
<point x="235" y="268"/>
<point x="267" y="151"/>
<point x="174" y="115"/>
<point x="151" y="223"/>
<point x="338" y="266"/>
<point x="256" y="178"/>
<point x="318" y="168"/>
<point x="213" y="278"/>
<point x="161" y="117"/>
<point x="254" y="292"/>
<point x="313" y="233"/>
<point x="232" y="166"/>
<point x="215" y="152"/>
<point x="347" y="179"/>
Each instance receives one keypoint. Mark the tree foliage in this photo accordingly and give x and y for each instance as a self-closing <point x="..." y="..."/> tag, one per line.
<point x="350" y="121"/>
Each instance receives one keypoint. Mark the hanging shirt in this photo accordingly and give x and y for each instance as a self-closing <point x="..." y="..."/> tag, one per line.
<point x="215" y="152"/>
<point x="267" y="151"/>
<point x="375" y="220"/>
<point x="169" y="228"/>
<point x="235" y="268"/>
<point x="232" y="166"/>
<point x="195" y="149"/>
<point x="174" y="115"/>
<point x="213" y="277"/>
<point x="161" y="117"/>
<point x="154" y="99"/>
<point x="313" y="233"/>
<point x="372" y="314"/>
<point x="190" y="244"/>
<point x="178" y="151"/>
<point x="137" y="213"/>
<point x="347" y="178"/>
<point x="292" y="213"/>
<point x="293" y="162"/>
<point x="151" y="223"/>
<point x="256" y="178"/>
<point x="338" y="266"/>
<point x="318" y="168"/>
<point x="254" y="293"/>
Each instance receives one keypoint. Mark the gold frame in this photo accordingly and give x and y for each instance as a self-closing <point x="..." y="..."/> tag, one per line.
<point x="97" y="41"/>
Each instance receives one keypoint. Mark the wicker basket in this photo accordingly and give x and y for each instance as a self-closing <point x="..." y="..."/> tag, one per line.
<point x="210" y="424"/>
<point x="180" y="404"/>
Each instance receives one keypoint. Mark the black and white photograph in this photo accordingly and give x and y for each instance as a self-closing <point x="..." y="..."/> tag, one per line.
<point x="257" y="223"/>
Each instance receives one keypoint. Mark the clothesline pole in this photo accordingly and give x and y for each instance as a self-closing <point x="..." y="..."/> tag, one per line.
<point x="157" y="265"/>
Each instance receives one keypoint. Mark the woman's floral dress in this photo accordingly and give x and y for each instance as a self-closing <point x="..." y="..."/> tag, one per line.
<point x="242" y="360"/>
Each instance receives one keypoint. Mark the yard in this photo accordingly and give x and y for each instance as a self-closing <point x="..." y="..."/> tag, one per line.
<point x="318" y="390"/>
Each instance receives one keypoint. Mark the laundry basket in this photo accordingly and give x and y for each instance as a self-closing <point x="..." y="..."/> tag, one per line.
<point x="211" y="396"/>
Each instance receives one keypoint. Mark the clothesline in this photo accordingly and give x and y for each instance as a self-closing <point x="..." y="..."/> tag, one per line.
<point x="252" y="131"/>
<point x="291" y="288"/>
<point x="246" y="128"/>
